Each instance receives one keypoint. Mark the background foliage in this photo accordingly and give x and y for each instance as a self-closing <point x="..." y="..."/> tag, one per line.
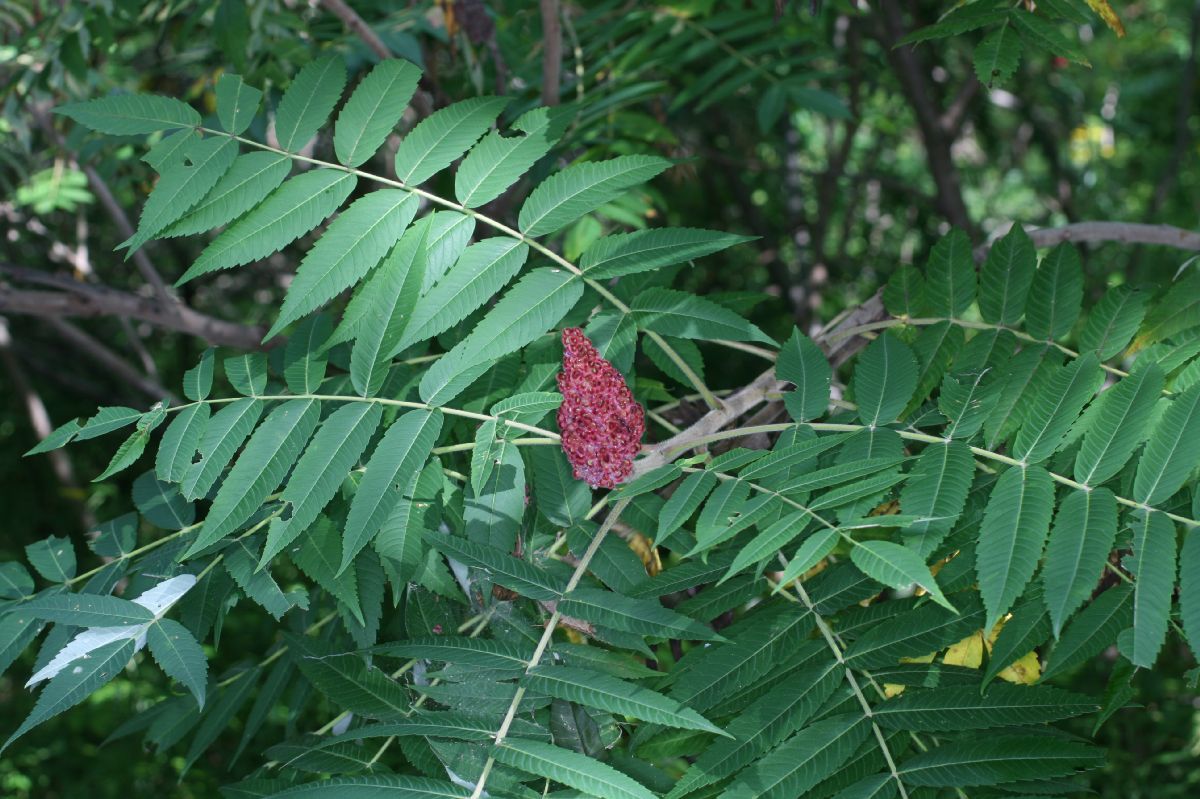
<point x="847" y="157"/>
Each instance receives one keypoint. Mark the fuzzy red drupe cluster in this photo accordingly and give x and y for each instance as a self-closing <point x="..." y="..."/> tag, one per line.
<point x="600" y="421"/>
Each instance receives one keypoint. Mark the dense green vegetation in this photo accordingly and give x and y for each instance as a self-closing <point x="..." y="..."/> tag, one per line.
<point x="292" y="480"/>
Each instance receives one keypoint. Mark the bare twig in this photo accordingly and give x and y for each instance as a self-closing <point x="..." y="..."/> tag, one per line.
<point x="83" y="300"/>
<point x="108" y="359"/>
<point x="551" y="51"/>
<point x="359" y="27"/>
<point x="1098" y="232"/>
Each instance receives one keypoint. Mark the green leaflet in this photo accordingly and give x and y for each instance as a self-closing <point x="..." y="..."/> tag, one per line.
<point x="570" y="768"/>
<point x="884" y="380"/>
<point x="304" y="357"/>
<point x="292" y="210"/>
<point x="761" y="726"/>
<point x="382" y="787"/>
<point x="840" y="473"/>
<point x="478" y="275"/>
<point x="350" y="248"/>
<point x="936" y="347"/>
<point x="614" y="695"/>
<point x="936" y="491"/>
<point x="769" y="541"/>
<point x="535" y="304"/>
<point x="53" y="558"/>
<point x="397" y="459"/>
<point x="915" y="634"/>
<point x="1154" y="574"/>
<point x="244" y="185"/>
<point x="897" y="566"/>
<point x="87" y="610"/>
<point x="1189" y="588"/>
<point x="263" y="464"/>
<point x="1022" y="377"/>
<point x="329" y="457"/>
<point x="237" y="104"/>
<point x="59" y="437"/>
<point x="71" y="686"/>
<point x="996" y="57"/>
<point x="1012" y="535"/>
<point x="1174" y="312"/>
<point x="1007" y="274"/>
<point x="497" y="162"/>
<point x="1003" y="705"/>
<point x="1027" y="628"/>
<point x="179" y="443"/>
<point x="306" y="104"/>
<point x="1044" y="34"/>
<point x="222" y="437"/>
<point x="1054" y="408"/>
<point x="620" y="254"/>
<point x="678" y="313"/>
<point x="387" y="301"/>
<point x="1084" y="530"/>
<point x="803" y="364"/>
<point x="131" y="114"/>
<point x="107" y="420"/>
<point x="179" y="655"/>
<point x="15" y="581"/>
<point x="181" y="186"/>
<point x="197" y="381"/>
<point x="802" y="761"/>
<point x="581" y="188"/>
<point x="808" y="554"/>
<point x="1091" y="631"/>
<point x="1118" y="426"/>
<point x="558" y="495"/>
<point x="492" y="514"/>
<point x="373" y="110"/>
<point x="510" y="572"/>
<point x="1112" y="323"/>
<point x="318" y="557"/>
<point x="1170" y="454"/>
<point x="353" y="685"/>
<point x="1055" y="294"/>
<point x="959" y="20"/>
<point x="638" y="616"/>
<point x="479" y="652"/>
<point x="904" y="294"/>
<point x="950" y="276"/>
<point x="443" y="136"/>
<point x="995" y="760"/>
<point x="247" y="373"/>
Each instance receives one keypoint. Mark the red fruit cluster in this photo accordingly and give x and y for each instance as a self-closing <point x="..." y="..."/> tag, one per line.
<point x="600" y="421"/>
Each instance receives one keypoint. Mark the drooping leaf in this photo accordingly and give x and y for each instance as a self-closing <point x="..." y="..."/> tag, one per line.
<point x="310" y="98"/>
<point x="581" y="188"/>
<point x="1042" y="33"/>
<point x="443" y="136"/>
<point x="1011" y="537"/>
<point x="373" y="110"/>
<point x="292" y="210"/>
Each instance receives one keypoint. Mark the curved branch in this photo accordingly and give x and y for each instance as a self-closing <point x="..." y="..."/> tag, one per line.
<point x="1100" y="232"/>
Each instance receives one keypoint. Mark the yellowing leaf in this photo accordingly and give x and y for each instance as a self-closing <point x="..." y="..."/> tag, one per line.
<point x="1106" y="13"/>
<point x="646" y="552"/>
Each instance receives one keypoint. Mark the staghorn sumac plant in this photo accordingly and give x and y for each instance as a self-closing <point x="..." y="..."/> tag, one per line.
<point x="918" y="543"/>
